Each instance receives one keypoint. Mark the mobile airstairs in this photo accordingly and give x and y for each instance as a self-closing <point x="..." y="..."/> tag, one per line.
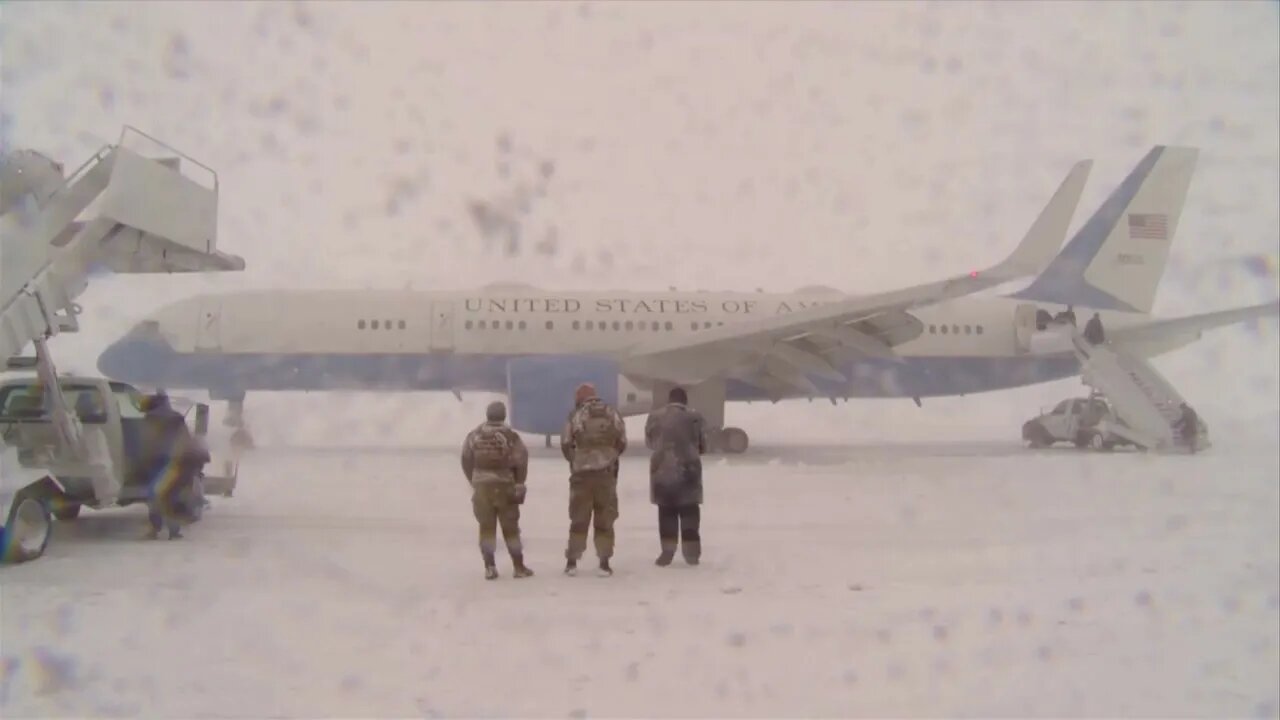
<point x="120" y="211"/>
<point x="1146" y="406"/>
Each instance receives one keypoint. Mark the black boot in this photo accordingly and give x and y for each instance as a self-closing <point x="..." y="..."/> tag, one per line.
<point x="490" y="565"/>
<point x="692" y="551"/>
<point x="667" y="555"/>
<point x="605" y="570"/>
<point x="517" y="563"/>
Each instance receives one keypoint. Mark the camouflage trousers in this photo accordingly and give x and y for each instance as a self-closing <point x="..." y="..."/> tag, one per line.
<point x="593" y="500"/>
<point x="494" y="504"/>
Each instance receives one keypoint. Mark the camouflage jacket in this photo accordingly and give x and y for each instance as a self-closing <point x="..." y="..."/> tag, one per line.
<point x="578" y="443"/>
<point x="494" y="453"/>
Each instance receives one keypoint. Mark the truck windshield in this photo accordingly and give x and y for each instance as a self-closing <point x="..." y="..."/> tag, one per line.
<point x="129" y="400"/>
<point x="29" y="402"/>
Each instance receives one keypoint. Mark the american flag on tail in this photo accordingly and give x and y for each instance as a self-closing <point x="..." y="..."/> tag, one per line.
<point x="1146" y="226"/>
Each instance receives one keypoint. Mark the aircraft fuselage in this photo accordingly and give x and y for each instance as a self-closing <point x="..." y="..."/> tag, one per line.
<point x="463" y="341"/>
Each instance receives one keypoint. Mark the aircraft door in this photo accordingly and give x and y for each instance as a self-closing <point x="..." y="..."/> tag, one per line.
<point x="441" y="326"/>
<point x="1024" y="326"/>
<point x="209" y="327"/>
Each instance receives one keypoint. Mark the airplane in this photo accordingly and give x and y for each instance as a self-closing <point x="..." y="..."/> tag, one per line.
<point x="535" y="346"/>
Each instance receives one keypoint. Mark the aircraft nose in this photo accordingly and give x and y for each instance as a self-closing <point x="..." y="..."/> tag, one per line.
<point x="141" y="356"/>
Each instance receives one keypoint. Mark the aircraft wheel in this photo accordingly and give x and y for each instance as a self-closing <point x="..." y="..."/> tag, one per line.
<point x="242" y="439"/>
<point x="734" y="440"/>
<point x="28" y="528"/>
<point x="65" y="511"/>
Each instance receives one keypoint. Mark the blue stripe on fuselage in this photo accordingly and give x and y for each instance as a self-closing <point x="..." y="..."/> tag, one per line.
<point x="151" y="363"/>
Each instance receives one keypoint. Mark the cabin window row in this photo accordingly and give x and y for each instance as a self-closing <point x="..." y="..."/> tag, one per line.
<point x="383" y="325"/>
<point x="955" y="329"/>
<point x="588" y="325"/>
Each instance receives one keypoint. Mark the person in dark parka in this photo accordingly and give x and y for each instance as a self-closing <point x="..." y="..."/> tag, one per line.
<point x="171" y="459"/>
<point x="1093" y="331"/>
<point x="675" y="435"/>
<point x="1188" y="427"/>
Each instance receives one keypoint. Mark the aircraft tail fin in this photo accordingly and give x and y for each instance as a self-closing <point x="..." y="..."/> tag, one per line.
<point x="1117" y="259"/>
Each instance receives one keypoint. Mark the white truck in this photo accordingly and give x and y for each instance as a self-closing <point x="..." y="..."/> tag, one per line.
<point x="123" y="210"/>
<point x="1087" y="422"/>
<point x="42" y="481"/>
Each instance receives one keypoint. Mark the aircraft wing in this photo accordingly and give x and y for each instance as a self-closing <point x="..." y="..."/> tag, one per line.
<point x="782" y="349"/>
<point x="1160" y="329"/>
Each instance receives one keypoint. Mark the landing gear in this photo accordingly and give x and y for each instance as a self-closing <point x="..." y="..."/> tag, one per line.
<point x="730" y="440"/>
<point x="708" y="398"/>
<point x="241" y="439"/>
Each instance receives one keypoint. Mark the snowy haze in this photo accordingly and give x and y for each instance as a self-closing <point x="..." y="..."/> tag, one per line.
<point x="722" y="146"/>
<point x="725" y="146"/>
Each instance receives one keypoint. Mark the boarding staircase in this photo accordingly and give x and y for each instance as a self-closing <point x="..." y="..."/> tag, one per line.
<point x="1141" y="398"/>
<point x="121" y="211"/>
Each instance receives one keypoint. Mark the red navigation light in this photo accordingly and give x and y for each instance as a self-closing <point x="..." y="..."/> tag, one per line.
<point x="973" y="273"/>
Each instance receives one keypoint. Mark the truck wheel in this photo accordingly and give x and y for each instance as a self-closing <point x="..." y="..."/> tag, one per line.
<point x="1038" y="437"/>
<point x="28" y="528"/>
<point x="1099" y="443"/>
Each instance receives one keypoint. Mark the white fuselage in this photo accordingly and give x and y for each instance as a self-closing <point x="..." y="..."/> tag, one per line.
<point x="323" y="336"/>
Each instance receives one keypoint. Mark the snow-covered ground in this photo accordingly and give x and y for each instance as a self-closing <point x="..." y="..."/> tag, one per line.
<point x="919" y="579"/>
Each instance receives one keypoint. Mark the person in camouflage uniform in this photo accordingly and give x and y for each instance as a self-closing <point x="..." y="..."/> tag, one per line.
<point x="675" y="435"/>
<point x="593" y="440"/>
<point x="496" y="463"/>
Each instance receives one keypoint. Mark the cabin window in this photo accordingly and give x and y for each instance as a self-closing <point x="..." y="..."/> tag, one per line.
<point x="510" y="325"/>
<point x="401" y="324"/>
<point x="616" y="325"/>
<point x="978" y="329"/>
<point x="467" y="325"/>
<point x="521" y="325"/>
<point x="933" y="329"/>
<point x="602" y="325"/>
<point x="654" y="326"/>
<point x="641" y="324"/>
<point x="374" y="324"/>
<point x="630" y="325"/>
<point x="706" y="324"/>
<point x="943" y="329"/>
<point x="576" y="325"/>
<point x="480" y="324"/>
<point x="551" y="324"/>
<point x="631" y="397"/>
<point x="387" y="324"/>
<point x="668" y="325"/>
<point x="694" y="324"/>
<point x="591" y="325"/>
<point x="968" y="330"/>
<point x="360" y="325"/>
<point x="955" y="329"/>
